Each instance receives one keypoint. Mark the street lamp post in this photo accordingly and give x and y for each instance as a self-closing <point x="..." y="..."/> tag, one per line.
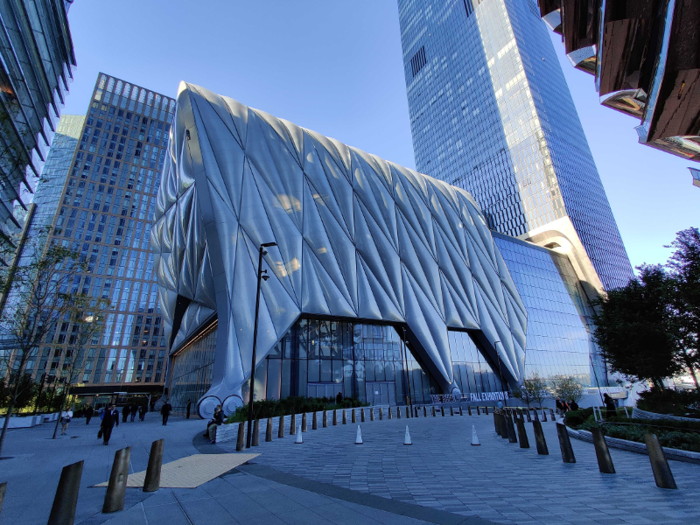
<point x="500" y="371"/>
<point x="261" y="277"/>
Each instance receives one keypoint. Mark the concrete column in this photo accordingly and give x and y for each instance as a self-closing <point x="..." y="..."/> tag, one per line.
<point x="659" y="465"/>
<point x="541" y="442"/>
<point x="567" y="453"/>
<point x="605" y="462"/>
<point x="66" y="498"/>
<point x="155" y="461"/>
<point x="116" y="489"/>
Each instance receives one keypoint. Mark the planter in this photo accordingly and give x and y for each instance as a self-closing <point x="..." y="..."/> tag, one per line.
<point x="685" y="456"/>
<point x="643" y="414"/>
<point x="20" y="422"/>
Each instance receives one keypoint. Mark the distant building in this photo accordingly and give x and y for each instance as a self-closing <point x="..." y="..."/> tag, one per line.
<point x="98" y="194"/>
<point x="490" y="112"/>
<point x="645" y="56"/>
<point x="37" y="58"/>
<point x="696" y="176"/>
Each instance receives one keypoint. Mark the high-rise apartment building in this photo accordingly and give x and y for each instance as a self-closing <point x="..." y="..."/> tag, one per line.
<point x="491" y="112"/>
<point x="36" y="61"/>
<point x="99" y="195"/>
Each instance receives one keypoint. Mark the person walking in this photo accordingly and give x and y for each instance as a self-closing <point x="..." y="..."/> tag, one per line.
<point x="142" y="412"/>
<point x="217" y="420"/>
<point x="187" y="410"/>
<point x="125" y="413"/>
<point x="110" y="417"/>
<point x="88" y="414"/>
<point x="610" y="409"/>
<point x="66" y="416"/>
<point x="165" y="411"/>
<point x="573" y="405"/>
<point x="132" y="411"/>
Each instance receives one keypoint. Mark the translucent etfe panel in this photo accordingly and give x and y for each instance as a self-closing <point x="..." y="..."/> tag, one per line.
<point x="559" y="341"/>
<point x="470" y="368"/>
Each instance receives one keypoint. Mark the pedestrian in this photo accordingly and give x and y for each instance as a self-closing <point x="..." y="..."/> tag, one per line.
<point x="338" y="398"/>
<point x="88" y="414"/>
<point x="217" y="420"/>
<point x="66" y="416"/>
<point x="165" y="412"/>
<point x="142" y="412"/>
<point x="557" y="403"/>
<point x="132" y="411"/>
<point x="125" y="413"/>
<point x="110" y="417"/>
<point x="609" y="406"/>
<point x="187" y="410"/>
<point x="573" y="405"/>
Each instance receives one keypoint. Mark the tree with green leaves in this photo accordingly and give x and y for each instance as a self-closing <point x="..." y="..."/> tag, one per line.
<point x="86" y="317"/>
<point x="39" y="299"/>
<point x="567" y="388"/>
<point x="637" y="330"/>
<point x="684" y="267"/>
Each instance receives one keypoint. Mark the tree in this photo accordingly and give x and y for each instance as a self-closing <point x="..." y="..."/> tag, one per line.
<point x="636" y="329"/>
<point x="567" y="388"/>
<point x="86" y="319"/>
<point x="533" y="390"/>
<point x="684" y="266"/>
<point x="38" y="302"/>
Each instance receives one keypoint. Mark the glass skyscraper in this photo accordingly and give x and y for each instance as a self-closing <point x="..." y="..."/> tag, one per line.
<point x="491" y="112"/>
<point x="98" y="193"/>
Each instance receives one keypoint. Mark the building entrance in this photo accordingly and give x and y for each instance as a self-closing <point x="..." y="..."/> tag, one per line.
<point x="381" y="392"/>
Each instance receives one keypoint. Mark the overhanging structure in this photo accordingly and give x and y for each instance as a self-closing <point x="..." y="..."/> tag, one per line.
<point x="357" y="238"/>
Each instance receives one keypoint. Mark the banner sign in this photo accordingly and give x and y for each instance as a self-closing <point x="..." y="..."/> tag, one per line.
<point x="471" y="398"/>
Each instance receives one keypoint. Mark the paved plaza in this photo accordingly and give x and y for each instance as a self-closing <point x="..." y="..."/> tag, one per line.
<point x="441" y="478"/>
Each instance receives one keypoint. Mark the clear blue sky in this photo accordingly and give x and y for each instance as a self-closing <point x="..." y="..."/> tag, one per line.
<point x="336" y="67"/>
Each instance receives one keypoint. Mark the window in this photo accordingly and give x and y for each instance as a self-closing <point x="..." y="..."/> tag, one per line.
<point x="418" y="61"/>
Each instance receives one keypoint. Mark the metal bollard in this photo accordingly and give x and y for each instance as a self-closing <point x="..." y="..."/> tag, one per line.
<point x="240" y="441"/>
<point x="541" y="442"/>
<point x="268" y="430"/>
<point x="537" y="417"/>
<point x="442" y="411"/>
<point x="3" y="489"/>
<point x="352" y="416"/>
<point x="605" y="462"/>
<point x="293" y="425"/>
<point x="116" y="489"/>
<point x="529" y="419"/>
<point x="303" y="422"/>
<point x="551" y="413"/>
<point x="335" y="417"/>
<point x="256" y="433"/>
<point x="345" y="417"/>
<point x="512" y="437"/>
<point x="504" y="424"/>
<point x="460" y="410"/>
<point x="522" y="433"/>
<point x="567" y="453"/>
<point x="280" y="430"/>
<point x="398" y="412"/>
<point x="486" y="410"/>
<point x="469" y="410"/>
<point x="452" y="410"/>
<point x="66" y="499"/>
<point x="381" y="414"/>
<point x="478" y="412"/>
<point x="151" y="483"/>
<point x="408" y="413"/>
<point x="362" y="415"/>
<point x="314" y="422"/>
<point x="371" y="414"/>
<point x="434" y="412"/>
<point x="325" y="418"/>
<point x="389" y="411"/>
<point x="496" y="424"/>
<point x="544" y="415"/>
<point x="659" y="465"/>
<point x="425" y="411"/>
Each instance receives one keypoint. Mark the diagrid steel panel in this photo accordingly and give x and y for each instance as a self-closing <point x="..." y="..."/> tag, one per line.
<point x="358" y="238"/>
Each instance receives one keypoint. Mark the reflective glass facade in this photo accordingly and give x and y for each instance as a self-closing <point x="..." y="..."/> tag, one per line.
<point x="491" y="112"/>
<point x="36" y="51"/>
<point x="101" y="203"/>
<point x="559" y="341"/>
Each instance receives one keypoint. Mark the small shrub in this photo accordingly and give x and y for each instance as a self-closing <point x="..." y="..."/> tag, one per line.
<point x="575" y="418"/>
<point x="675" y="402"/>
<point x="291" y="405"/>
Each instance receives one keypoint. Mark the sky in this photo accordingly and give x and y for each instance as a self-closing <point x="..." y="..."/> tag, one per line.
<point x="336" y="67"/>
